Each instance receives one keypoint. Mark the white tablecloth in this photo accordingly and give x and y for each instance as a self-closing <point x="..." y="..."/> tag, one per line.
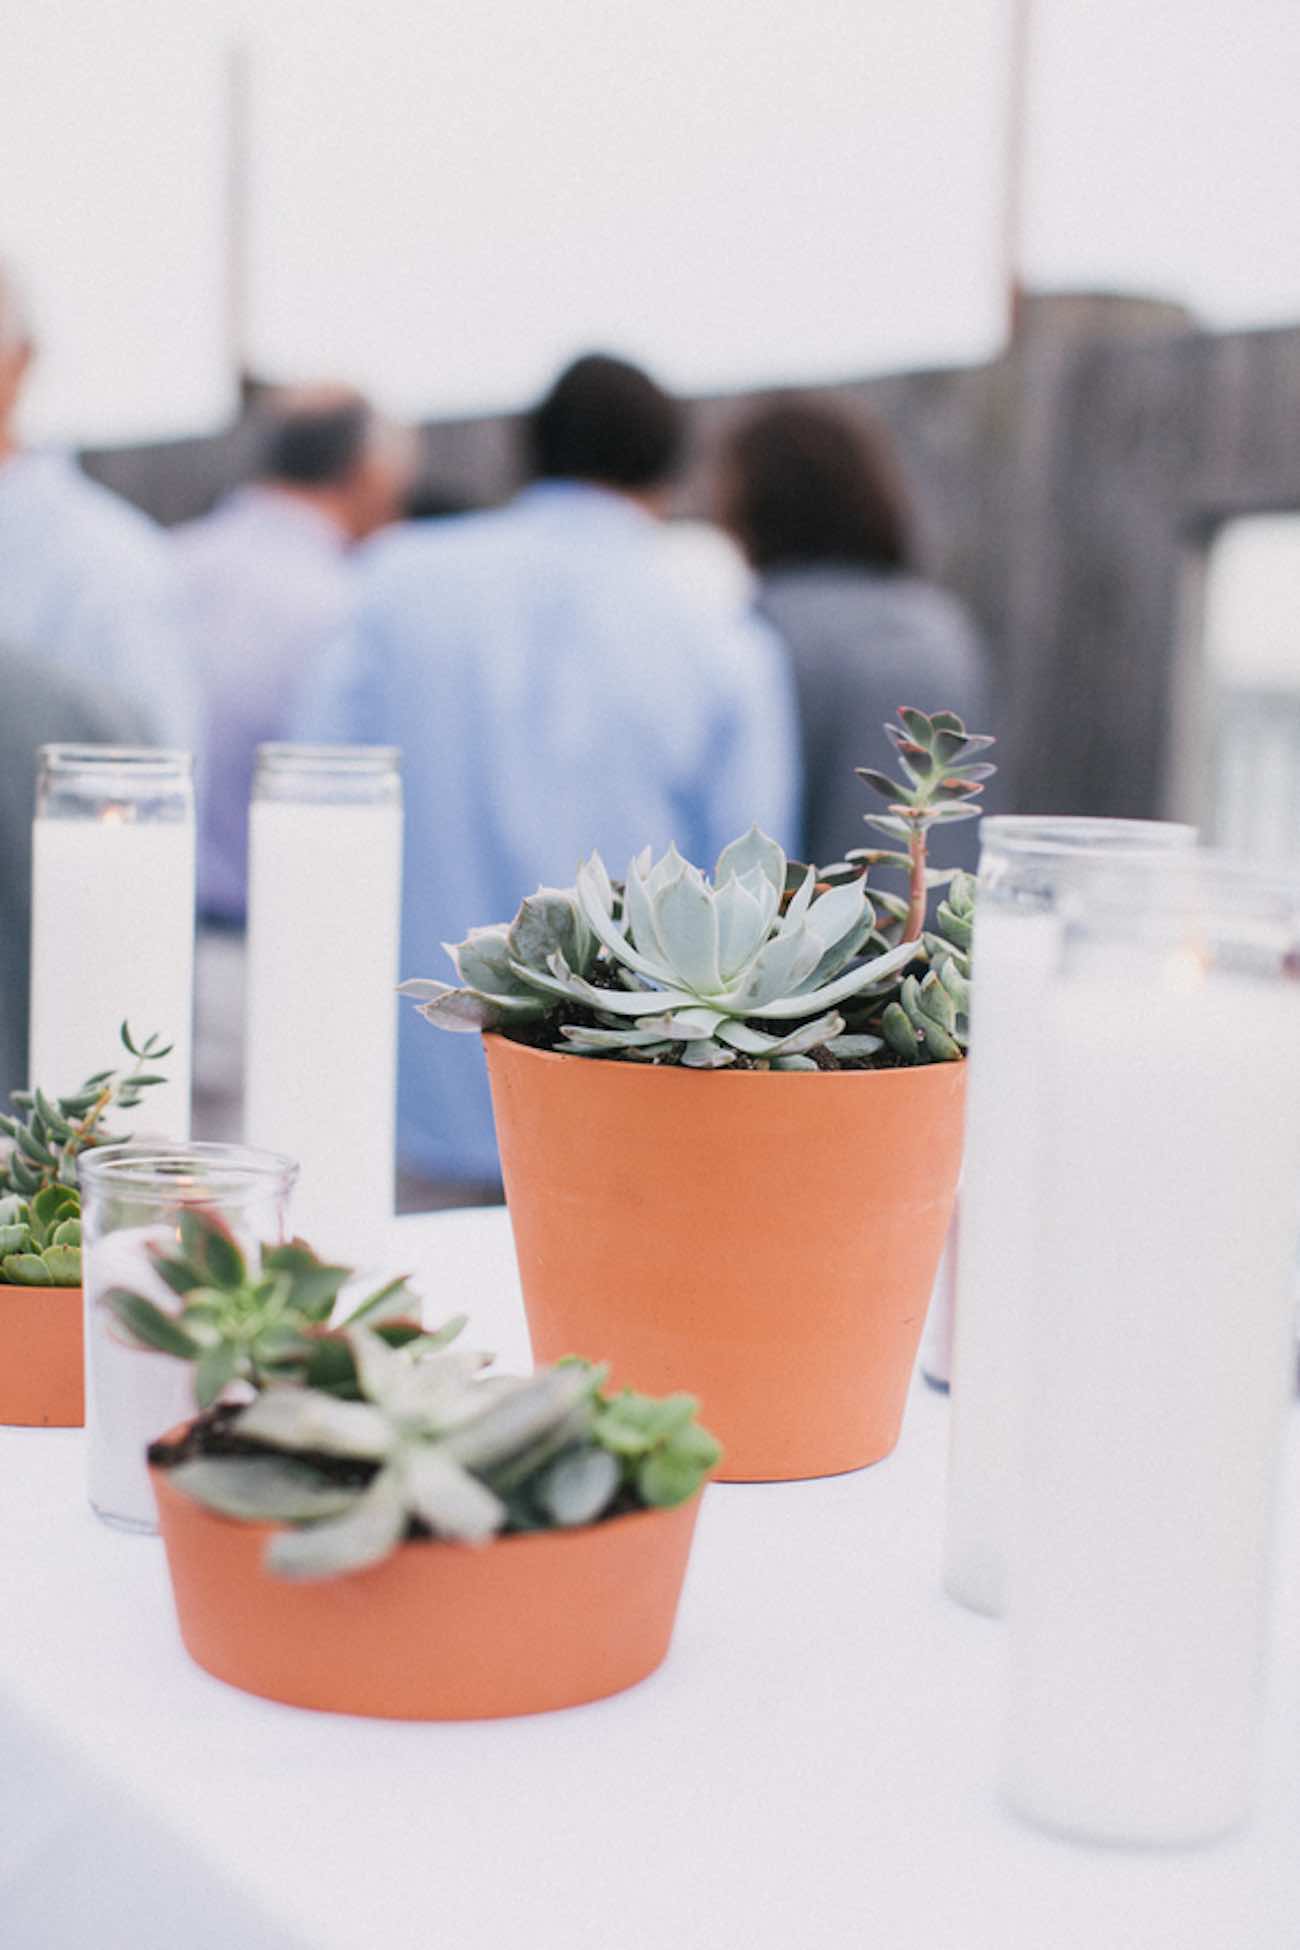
<point x="813" y="1769"/>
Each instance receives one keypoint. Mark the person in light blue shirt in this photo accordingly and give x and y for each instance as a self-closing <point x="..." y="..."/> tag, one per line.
<point x="553" y="690"/>
<point x="86" y="581"/>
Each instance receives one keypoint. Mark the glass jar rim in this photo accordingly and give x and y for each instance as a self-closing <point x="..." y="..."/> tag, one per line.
<point x="278" y="757"/>
<point x="144" y="761"/>
<point x="139" y="1163"/>
<point x="1185" y="875"/>
<point x="1034" y="836"/>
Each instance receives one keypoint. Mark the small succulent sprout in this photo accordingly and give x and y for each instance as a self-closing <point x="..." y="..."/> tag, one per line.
<point x="240" y="1324"/>
<point x="939" y="786"/>
<point x="40" y="1206"/>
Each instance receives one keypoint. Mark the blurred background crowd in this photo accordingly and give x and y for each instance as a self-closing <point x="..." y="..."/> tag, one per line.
<point x="942" y="362"/>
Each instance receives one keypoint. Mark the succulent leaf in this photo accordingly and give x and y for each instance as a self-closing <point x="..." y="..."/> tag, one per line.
<point x="364" y="1534"/>
<point x="444" y="1494"/>
<point x="261" y="1489"/>
<point x="578" y="1487"/>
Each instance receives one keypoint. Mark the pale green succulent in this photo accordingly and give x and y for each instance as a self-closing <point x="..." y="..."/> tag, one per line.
<point x="763" y="965"/>
<point x="699" y="965"/>
<point x="498" y="966"/>
<point x="430" y="1439"/>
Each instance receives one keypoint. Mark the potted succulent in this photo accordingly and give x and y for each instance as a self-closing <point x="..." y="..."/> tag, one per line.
<point x="41" y="1331"/>
<point x="365" y="1521"/>
<point x="730" y="1115"/>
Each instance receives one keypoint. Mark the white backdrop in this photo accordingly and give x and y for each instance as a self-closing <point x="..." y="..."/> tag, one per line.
<point x="448" y="200"/>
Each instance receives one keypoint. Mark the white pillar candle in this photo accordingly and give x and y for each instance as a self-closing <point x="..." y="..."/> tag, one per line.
<point x="1015" y="954"/>
<point x="325" y="877"/>
<point x="113" y="923"/>
<point x="1023" y="863"/>
<point x="1160" y="1364"/>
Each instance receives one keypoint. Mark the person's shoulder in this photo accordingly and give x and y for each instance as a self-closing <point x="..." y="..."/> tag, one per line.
<point x="99" y="530"/>
<point x="835" y="599"/>
<point x="111" y="515"/>
<point x="404" y="559"/>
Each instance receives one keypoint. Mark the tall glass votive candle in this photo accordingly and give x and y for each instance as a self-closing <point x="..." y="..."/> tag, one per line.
<point x="1025" y="866"/>
<point x="1160" y="1352"/>
<point x="324" y="917"/>
<point x="133" y="1196"/>
<point x="113" y="920"/>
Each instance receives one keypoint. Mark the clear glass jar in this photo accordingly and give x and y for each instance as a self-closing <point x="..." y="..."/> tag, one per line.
<point x="113" y="919"/>
<point x="132" y="1198"/>
<point x="1026" y="868"/>
<point x="324" y="924"/>
<point x="1159" y="1348"/>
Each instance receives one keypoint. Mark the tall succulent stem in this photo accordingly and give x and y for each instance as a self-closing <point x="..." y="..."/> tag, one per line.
<point x="914" y="923"/>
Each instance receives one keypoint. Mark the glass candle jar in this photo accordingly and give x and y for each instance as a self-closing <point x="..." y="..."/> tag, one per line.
<point x="1160" y="1349"/>
<point x="1025" y="868"/>
<point x="133" y="1196"/>
<point x="324" y="921"/>
<point x="113" y="919"/>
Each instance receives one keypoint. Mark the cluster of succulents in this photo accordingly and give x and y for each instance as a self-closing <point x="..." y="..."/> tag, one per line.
<point x="929" y="1020"/>
<point x="358" y="1437"/>
<point x="768" y="964"/>
<point x="260" y="1324"/>
<point x="40" y="1205"/>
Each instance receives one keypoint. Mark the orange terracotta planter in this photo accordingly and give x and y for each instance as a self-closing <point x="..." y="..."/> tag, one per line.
<point x="527" y="1624"/>
<point x="767" y="1241"/>
<point x="42" y="1382"/>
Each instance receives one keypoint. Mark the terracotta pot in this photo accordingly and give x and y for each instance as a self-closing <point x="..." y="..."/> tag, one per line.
<point x="438" y="1631"/>
<point x="41" y="1365"/>
<point x="766" y="1241"/>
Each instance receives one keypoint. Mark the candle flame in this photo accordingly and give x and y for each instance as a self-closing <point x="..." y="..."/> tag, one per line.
<point x="1186" y="969"/>
<point x="114" y="816"/>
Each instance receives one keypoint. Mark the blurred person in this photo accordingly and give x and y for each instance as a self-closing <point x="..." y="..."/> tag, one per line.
<point x="816" y="500"/>
<point x="554" y="691"/>
<point x="266" y="584"/>
<point x="86" y="580"/>
<point x="432" y="500"/>
<point x="42" y="705"/>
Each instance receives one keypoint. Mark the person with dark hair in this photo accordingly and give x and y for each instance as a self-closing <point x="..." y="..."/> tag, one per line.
<point x="605" y="420"/>
<point x="266" y="584"/>
<point x="816" y="499"/>
<point x="555" y="690"/>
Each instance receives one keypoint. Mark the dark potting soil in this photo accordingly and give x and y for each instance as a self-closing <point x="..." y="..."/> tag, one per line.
<point x="213" y="1434"/>
<point x="546" y="1036"/>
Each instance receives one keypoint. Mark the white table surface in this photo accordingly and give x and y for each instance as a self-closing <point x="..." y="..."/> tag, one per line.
<point x="813" y="1768"/>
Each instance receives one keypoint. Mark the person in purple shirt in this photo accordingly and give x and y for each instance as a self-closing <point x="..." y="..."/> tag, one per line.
<point x="266" y="584"/>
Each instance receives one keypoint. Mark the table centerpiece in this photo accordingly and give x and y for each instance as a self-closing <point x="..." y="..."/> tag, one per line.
<point x="365" y="1520"/>
<point x="730" y="1115"/>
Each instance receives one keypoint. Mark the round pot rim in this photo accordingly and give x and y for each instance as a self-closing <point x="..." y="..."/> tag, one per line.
<point x="269" y="1525"/>
<point x="906" y="1072"/>
<point x="20" y="1286"/>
